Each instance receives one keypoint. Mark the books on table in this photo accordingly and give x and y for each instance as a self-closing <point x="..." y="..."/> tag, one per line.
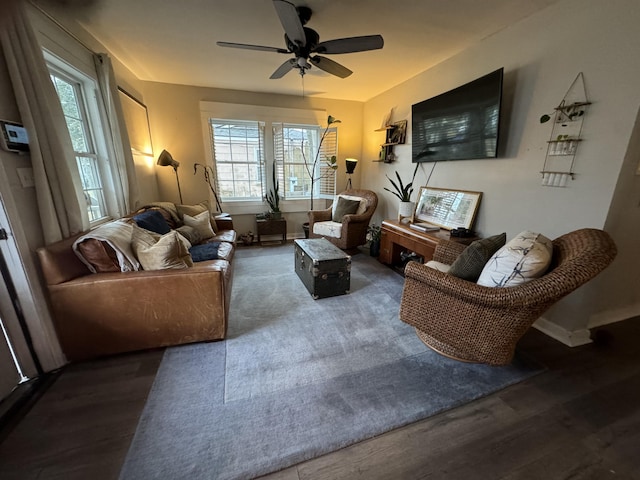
<point x="424" y="227"/>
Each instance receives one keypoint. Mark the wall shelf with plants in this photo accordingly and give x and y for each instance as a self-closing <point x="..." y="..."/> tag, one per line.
<point x="565" y="136"/>
<point x="395" y="134"/>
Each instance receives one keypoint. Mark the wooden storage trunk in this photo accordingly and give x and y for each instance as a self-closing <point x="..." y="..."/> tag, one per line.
<point x="323" y="268"/>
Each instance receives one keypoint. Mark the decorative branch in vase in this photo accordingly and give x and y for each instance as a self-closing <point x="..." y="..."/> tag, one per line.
<point x="208" y="177"/>
<point x="330" y="162"/>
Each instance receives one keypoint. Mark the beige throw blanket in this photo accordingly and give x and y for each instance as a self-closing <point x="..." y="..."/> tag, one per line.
<point x="118" y="235"/>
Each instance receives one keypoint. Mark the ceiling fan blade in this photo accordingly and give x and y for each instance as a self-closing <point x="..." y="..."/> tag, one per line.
<point x="351" y="44"/>
<point x="283" y="69"/>
<point x="329" y="66"/>
<point x="252" y="47"/>
<point x="290" y="21"/>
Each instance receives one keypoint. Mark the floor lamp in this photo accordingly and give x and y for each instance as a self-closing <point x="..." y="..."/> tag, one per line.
<point x="351" y="166"/>
<point x="166" y="160"/>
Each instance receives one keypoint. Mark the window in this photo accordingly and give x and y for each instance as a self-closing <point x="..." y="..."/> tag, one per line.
<point x="238" y="152"/>
<point x="70" y="95"/>
<point x="244" y="142"/>
<point x="77" y="94"/>
<point x="293" y="144"/>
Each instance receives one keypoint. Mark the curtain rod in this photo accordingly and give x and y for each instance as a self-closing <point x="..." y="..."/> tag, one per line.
<point x="62" y="27"/>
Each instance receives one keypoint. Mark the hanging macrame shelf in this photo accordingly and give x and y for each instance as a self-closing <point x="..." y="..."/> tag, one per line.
<point x="565" y="137"/>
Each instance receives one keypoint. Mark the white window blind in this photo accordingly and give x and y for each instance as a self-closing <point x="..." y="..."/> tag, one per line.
<point x="295" y="149"/>
<point x="238" y="154"/>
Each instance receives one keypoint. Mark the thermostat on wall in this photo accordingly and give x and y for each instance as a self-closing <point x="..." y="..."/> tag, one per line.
<point x="13" y="137"/>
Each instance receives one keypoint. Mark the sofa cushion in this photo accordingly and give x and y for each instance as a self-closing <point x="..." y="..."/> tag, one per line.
<point x="344" y="207"/>
<point x="523" y="258"/>
<point x="328" y="229"/>
<point x="201" y="222"/>
<point x="99" y="254"/>
<point x="472" y="260"/>
<point x="153" y="221"/>
<point x="157" y="252"/>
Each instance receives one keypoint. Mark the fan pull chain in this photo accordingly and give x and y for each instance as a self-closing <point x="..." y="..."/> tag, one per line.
<point x="302" y="85"/>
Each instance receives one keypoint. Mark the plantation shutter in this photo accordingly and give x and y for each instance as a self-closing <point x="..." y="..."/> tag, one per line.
<point x="238" y="157"/>
<point x="278" y="157"/>
<point x="329" y="148"/>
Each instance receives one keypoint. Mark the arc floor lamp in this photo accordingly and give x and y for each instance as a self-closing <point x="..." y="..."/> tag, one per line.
<point x="166" y="160"/>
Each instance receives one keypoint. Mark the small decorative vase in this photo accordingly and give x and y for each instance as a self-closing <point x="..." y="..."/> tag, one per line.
<point x="276" y="215"/>
<point x="406" y="209"/>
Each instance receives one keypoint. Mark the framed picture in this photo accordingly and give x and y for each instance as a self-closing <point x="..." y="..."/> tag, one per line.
<point x="137" y="122"/>
<point x="446" y="208"/>
<point x="399" y="134"/>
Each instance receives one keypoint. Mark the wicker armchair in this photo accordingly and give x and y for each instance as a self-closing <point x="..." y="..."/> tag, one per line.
<point x="473" y="323"/>
<point x="354" y="227"/>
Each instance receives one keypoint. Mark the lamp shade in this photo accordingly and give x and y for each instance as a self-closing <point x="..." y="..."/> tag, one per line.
<point x="166" y="160"/>
<point x="351" y="165"/>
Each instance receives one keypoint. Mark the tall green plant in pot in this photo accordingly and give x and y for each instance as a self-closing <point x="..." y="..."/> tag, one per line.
<point x="404" y="192"/>
<point x="273" y="196"/>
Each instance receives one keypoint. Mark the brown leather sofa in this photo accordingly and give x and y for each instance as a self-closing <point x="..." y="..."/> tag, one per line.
<point x="99" y="314"/>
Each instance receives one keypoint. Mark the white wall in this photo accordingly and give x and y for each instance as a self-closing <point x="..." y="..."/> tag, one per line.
<point x="541" y="56"/>
<point x="174" y="115"/>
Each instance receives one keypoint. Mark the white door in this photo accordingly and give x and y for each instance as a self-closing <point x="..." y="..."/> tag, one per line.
<point x="10" y="370"/>
<point x="15" y="357"/>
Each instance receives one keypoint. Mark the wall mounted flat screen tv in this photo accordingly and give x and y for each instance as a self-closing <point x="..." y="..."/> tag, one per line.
<point x="461" y="124"/>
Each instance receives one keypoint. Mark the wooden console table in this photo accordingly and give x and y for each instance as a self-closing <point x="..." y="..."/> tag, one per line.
<point x="397" y="237"/>
<point x="272" y="227"/>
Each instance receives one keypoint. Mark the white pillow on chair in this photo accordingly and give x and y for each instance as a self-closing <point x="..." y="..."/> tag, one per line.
<point x="524" y="258"/>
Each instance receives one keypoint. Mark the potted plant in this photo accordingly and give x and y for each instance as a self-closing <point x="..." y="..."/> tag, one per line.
<point x="404" y="192"/>
<point x="374" y="234"/>
<point x="273" y="197"/>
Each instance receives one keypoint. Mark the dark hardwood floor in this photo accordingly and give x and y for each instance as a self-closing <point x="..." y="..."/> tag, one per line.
<point x="580" y="419"/>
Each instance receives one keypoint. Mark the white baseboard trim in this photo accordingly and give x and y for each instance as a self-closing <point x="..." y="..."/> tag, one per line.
<point x="612" y="316"/>
<point x="571" y="338"/>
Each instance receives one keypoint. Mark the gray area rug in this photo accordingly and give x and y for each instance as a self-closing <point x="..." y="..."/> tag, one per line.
<point x="297" y="377"/>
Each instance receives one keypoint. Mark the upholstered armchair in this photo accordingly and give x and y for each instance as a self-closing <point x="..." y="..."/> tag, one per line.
<point x="352" y="230"/>
<point x="474" y="323"/>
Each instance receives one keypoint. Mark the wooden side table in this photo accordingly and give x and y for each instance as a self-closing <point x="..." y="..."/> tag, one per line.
<point x="396" y="237"/>
<point x="270" y="226"/>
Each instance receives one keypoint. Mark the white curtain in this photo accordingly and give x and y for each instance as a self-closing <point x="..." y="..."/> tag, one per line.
<point x="120" y="139"/>
<point x="59" y="192"/>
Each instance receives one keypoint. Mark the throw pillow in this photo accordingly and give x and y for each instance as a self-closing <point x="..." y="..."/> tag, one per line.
<point x="193" y="210"/>
<point x="153" y="221"/>
<point x="201" y="222"/>
<point x="345" y="207"/>
<point x="361" y="208"/>
<point x="100" y="255"/>
<point x="190" y="234"/>
<point x="206" y="251"/>
<point x="472" y="260"/>
<point x="157" y="252"/>
<point x="524" y="258"/>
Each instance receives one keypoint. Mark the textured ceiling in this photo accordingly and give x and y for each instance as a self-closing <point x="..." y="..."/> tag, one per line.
<point x="175" y="41"/>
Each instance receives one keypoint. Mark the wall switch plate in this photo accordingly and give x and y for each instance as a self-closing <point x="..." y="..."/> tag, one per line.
<point x="26" y="177"/>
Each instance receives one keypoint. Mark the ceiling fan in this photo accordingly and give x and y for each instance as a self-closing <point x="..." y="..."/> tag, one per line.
<point x="305" y="44"/>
